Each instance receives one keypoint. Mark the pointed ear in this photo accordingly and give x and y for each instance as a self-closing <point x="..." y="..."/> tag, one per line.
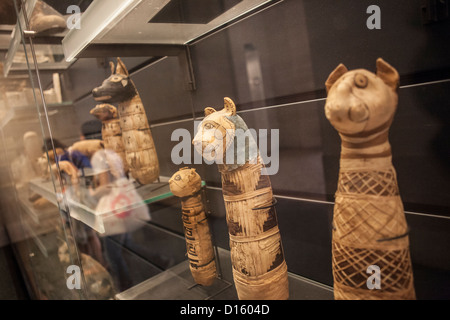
<point x="388" y="74"/>
<point x="121" y="69"/>
<point x="335" y="75"/>
<point x="112" y="66"/>
<point x="209" y="110"/>
<point x="113" y="110"/>
<point x="229" y="105"/>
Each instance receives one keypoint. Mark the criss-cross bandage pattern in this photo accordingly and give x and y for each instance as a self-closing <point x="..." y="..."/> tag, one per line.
<point x="374" y="182"/>
<point x="370" y="234"/>
<point x="370" y="229"/>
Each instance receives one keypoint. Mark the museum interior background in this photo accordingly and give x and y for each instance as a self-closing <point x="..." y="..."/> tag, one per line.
<point x="273" y="64"/>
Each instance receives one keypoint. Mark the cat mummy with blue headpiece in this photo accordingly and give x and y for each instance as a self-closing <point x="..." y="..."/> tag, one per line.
<point x="259" y="268"/>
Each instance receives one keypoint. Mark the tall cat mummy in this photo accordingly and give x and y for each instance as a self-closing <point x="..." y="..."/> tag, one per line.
<point x="369" y="225"/>
<point x="140" y="152"/>
<point x="111" y="130"/>
<point x="187" y="184"/>
<point x="259" y="268"/>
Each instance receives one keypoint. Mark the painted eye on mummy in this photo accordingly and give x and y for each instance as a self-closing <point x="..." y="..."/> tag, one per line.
<point x="116" y="79"/>
<point x="361" y="81"/>
<point x="208" y="126"/>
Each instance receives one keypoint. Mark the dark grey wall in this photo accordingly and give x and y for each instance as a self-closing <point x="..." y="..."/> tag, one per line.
<point x="298" y="43"/>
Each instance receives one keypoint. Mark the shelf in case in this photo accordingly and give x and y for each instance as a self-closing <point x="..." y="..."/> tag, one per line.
<point x="44" y="188"/>
<point x="177" y="283"/>
<point x="48" y="49"/>
<point x="28" y="113"/>
<point x="155" y="22"/>
<point x="124" y="210"/>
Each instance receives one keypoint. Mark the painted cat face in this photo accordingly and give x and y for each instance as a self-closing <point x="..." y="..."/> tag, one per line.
<point x="361" y="101"/>
<point x="104" y="112"/>
<point x="185" y="182"/>
<point x="216" y="132"/>
<point x="117" y="88"/>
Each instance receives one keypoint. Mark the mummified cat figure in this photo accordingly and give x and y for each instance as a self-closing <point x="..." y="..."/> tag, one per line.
<point x="370" y="233"/>
<point x="187" y="184"/>
<point x="140" y="151"/>
<point x="259" y="269"/>
<point x="111" y="130"/>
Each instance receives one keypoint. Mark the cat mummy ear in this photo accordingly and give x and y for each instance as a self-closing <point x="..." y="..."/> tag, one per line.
<point x="113" y="111"/>
<point x="335" y="75"/>
<point x="209" y="110"/>
<point x="121" y="69"/>
<point x="112" y="66"/>
<point x="388" y="74"/>
<point x="230" y="107"/>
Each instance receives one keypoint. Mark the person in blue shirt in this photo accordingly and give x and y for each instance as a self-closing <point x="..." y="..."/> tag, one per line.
<point x="77" y="158"/>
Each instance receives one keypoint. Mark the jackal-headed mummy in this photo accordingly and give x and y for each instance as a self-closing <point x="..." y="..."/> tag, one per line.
<point x="140" y="152"/>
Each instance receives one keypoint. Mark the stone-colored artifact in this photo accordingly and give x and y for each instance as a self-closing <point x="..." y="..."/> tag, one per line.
<point x="187" y="184"/>
<point x="140" y="151"/>
<point x="46" y="18"/>
<point x="99" y="283"/>
<point x="370" y="233"/>
<point x="259" y="268"/>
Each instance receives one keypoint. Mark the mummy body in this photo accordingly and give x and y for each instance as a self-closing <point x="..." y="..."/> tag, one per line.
<point x="112" y="137"/>
<point x="111" y="130"/>
<point x="259" y="268"/>
<point x="140" y="152"/>
<point x="369" y="225"/>
<point x="186" y="184"/>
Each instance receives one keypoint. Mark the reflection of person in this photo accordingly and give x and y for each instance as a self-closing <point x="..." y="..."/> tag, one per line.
<point x="31" y="143"/>
<point x="119" y="206"/>
<point x="62" y="154"/>
<point x="87" y="240"/>
<point x="116" y="194"/>
<point x="107" y="168"/>
<point x="25" y="166"/>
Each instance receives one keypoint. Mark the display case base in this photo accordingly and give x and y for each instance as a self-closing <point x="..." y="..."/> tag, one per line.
<point x="177" y="283"/>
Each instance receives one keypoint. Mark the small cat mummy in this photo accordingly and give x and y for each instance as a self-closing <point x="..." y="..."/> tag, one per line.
<point x="259" y="267"/>
<point x="187" y="185"/>
<point x="369" y="225"/>
<point x="111" y="130"/>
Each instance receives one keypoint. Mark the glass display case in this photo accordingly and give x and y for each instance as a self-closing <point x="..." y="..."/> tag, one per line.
<point x="101" y="105"/>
